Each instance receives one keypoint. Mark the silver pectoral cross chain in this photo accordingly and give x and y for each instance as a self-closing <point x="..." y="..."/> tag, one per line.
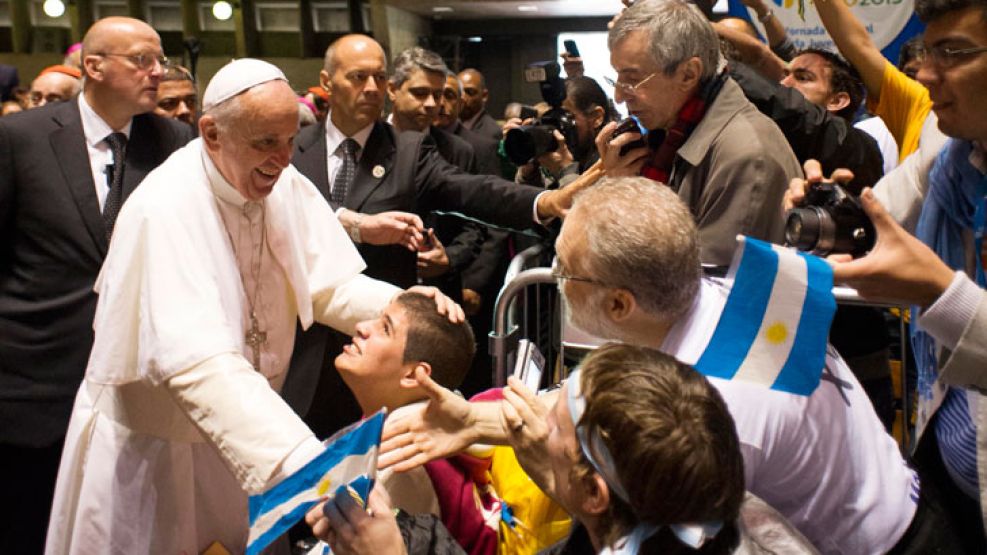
<point x="255" y="337"/>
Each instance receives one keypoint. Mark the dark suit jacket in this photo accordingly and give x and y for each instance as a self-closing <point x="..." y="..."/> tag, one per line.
<point x="54" y="243"/>
<point x="8" y="81"/>
<point x="462" y="239"/>
<point x="484" y="148"/>
<point x="415" y="179"/>
<point x="486" y="126"/>
<point x="812" y="131"/>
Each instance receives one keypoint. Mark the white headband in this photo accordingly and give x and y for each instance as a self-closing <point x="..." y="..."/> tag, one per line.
<point x="693" y="534"/>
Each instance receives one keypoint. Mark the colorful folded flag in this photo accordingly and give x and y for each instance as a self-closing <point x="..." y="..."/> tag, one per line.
<point x="348" y="464"/>
<point x="774" y="327"/>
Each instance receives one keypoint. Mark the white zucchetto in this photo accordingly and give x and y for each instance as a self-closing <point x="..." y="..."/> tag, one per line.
<point x="236" y="77"/>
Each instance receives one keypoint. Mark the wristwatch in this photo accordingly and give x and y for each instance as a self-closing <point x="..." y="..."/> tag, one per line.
<point x="354" y="229"/>
<point x="767" y="15"/>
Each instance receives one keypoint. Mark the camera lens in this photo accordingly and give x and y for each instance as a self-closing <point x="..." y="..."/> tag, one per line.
<point x="810" y="229"/>
<point x="524" y="144"/>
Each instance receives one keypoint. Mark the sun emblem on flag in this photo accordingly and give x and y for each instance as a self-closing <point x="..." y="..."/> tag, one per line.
<point x="776" y="333"/>
<point x="323" y="486"/>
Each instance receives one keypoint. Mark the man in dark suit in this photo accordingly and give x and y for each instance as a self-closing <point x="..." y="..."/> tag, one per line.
<point x="483" y="278"/>
<point x="390" y="172"/>
<point x="415" y="90"/>
<point x="60" y="183"/>
<point x="474" y="114"/>
<point x="451" y="106"/>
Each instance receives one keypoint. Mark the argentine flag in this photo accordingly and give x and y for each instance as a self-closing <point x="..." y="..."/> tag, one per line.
<point x="774" y="327"/>
<point x="349" y="459"/>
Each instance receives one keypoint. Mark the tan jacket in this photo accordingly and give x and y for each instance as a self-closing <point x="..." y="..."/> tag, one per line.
<point x="732" y="172"/>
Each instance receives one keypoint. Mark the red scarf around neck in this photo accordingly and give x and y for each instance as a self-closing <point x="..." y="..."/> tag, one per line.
<point x="659" y="167"/>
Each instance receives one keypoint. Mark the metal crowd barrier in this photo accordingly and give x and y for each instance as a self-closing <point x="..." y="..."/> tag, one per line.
<point x="508" y="330"/>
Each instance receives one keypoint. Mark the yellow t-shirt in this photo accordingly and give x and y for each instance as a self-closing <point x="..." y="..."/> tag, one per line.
<point x="904" y="104"/>
<point x="543" y="521"/>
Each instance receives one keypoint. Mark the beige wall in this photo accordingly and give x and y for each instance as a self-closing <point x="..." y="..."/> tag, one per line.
<point x="396" y="29"/>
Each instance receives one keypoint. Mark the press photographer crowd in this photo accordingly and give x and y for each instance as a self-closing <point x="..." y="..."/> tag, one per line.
<point x="251" y="316"/>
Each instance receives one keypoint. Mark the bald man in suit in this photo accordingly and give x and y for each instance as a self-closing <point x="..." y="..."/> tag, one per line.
<point x="56" y="174"/>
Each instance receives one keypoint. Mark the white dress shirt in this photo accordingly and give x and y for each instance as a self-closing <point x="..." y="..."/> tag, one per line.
<point x="334" y="155"/>
<point x="96" y="130"/>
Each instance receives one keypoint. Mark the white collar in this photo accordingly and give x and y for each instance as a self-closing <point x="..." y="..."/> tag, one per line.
<point x="335" y="137"/>
<point x="690" y="334"/>
<point x="94" y="127"/>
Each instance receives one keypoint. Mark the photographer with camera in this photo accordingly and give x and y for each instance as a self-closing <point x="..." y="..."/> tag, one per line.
<point x="940" y="270"/>
<point x="557" y="146"/>
<point x="726" y="160"/>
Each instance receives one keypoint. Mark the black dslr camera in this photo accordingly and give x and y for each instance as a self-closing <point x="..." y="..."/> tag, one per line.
<point x="831" y="220"/>
<point x="528" y="142"/>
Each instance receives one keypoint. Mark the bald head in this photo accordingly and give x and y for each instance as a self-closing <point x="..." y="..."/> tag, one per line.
<point x="121" y="65"/>
<point x="355" y="77"/>
<point x="474" y="93"/>
<point x="110" y="32"/>
<point x="351" y="45"/>
<point x="53" y="86"/>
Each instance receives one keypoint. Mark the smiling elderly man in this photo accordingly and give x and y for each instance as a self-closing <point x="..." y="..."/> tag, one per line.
<point x="221" y="250"/>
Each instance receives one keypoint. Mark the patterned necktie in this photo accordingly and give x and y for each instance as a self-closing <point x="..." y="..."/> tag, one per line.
<point x="114" y="198"/>
<point x="346" y="174"/>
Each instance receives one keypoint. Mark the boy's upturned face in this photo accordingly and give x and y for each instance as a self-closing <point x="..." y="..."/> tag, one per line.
<point x="377" y="352"/>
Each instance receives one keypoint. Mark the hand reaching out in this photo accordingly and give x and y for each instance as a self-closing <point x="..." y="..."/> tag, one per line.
<point x="392" y="228"/>
<point x="437" y="429"/>
<point x="443" y="304"/>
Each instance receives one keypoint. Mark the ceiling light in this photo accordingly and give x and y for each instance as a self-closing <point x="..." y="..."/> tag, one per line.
<point x="53" y="8"/>
<point x="474" y="39"/>
<point x="222" y="10"/>
<point x="527" y="8"/>
<point x="441" y="9"/>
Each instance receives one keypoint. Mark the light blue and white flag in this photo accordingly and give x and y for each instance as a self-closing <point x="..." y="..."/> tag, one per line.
<point x="349" y="459"/>
<point x="774" y="327"/>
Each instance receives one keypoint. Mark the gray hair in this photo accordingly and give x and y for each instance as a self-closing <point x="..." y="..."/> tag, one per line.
<point x="459" y="82"/>
<point x="642" y="237"/>
<point x="226" y="113"/>
<point x="416" y="58"/>
<point x="677" y="30"/>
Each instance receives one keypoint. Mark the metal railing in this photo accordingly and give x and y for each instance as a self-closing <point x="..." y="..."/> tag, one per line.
<point x="507" y="330"/>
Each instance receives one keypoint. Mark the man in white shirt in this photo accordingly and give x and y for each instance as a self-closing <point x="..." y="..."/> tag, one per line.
<point x="221" y="251"/>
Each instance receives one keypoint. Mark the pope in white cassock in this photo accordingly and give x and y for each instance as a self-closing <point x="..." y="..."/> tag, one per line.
<point x="213" y="259"/>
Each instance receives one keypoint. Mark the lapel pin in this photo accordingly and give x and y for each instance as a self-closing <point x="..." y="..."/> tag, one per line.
<point x="378" y="171"/>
